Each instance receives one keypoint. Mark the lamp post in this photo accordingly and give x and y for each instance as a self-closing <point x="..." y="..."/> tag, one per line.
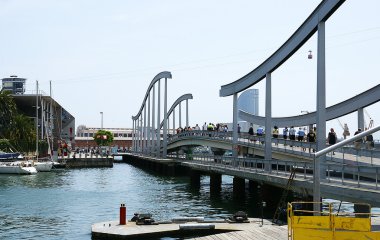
<point x="101" y="120"/>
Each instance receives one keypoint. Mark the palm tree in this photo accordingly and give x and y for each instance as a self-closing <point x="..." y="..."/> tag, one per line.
<point x="8" y="110"/>
<point x="23" y="135"/>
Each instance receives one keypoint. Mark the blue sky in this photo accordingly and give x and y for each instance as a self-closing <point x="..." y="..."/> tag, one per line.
<point x="102" y="55"/>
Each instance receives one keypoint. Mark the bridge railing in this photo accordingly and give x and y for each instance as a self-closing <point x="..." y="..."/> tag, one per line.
<point x="361" y="151"/>
<point x="302" y="148"/>
<point x="365" y="176"/>
<point x="278" y="167"/>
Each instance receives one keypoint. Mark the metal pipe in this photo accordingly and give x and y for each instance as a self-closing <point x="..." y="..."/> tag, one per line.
<point x="321" y="116"/>
<point x="165" y="134"/>
<point x="268" y="121"/>
<point x="346" y="141"/>
<point x="144" y="132"/>
<point x="149" y="127"/>
<point x="153" y="120"/>
<point x="235" y="126"/>
<point x="158" y="118"/>
<point x="187" y="113"/>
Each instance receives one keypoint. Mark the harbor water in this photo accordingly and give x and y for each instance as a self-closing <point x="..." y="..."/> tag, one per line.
<point x="64" y="204"/>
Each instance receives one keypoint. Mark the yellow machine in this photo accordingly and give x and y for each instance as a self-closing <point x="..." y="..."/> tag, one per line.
<point x="332" y="223"/>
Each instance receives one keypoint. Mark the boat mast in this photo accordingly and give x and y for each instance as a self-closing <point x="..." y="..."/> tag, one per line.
<point x="51" y="146"/>
<point x="37" y="120"/>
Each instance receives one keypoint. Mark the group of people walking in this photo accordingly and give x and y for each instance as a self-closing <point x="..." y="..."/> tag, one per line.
<point x="290" y="133"/>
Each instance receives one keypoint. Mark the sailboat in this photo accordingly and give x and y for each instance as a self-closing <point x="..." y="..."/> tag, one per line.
<point x="18" y="167"/>
<point x="41" y="166"/>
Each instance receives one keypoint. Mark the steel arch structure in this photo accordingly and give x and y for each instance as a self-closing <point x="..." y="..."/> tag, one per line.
<point x="348" y="106"/>
<point x="314" y="23"/>
<point x="176" y="103"/>
<point x="144" y="134"/>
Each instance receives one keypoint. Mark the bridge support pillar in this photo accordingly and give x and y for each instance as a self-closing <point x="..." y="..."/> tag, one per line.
<point x="215" y="183"/>
<point x="252" y="185"/>
<point x="270" y="195"/>
<point x="195" y="178"/>
<point x="268" y="122"/>
<point x="319" y="163"/>
<point x="218" y="151"/>
<point x="361" y="118"/>
<point x="239" y="187"/>
<point x="360" y="209"/>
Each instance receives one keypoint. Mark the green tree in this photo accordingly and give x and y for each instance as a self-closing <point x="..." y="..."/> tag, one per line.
<point x="23" y="135"/>
<point x="103" y="138"/>
<point x="8" y="111"/>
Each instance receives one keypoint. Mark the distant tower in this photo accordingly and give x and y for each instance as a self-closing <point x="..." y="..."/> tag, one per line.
<point x="248" y="101"/>
<point x="14" y="84"/>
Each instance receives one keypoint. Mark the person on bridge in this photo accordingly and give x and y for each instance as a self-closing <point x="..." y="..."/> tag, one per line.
<point x="250" y="132"/>
<point x="331" y="139"/>
<point x="275" y="134"/>
<point x="285" y="134"/>
<point x="358" y="142"/>
<point x="311" y="138"/>
<point x="260" y="131"/>
<point x="292" y="134"/>
<point x="301" y="135"/>
<point x="369" y="141"/>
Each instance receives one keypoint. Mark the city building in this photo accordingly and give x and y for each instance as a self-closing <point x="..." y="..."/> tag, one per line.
<point x="85" y="137"/>
<point x="54" y="122"/>
<point x="248" y="101"/>
<point x="14" y="84"/>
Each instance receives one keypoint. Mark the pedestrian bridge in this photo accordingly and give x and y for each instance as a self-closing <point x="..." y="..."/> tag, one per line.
<point x="351" y="174"/>
<point x="341" y="171"/>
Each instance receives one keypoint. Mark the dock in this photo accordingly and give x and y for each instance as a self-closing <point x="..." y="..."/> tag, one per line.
<point x="223" y="231"/>
<point x="88" y="161"/>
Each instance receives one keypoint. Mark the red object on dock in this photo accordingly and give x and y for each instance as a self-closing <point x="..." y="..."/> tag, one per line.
<point x="123" y="214"/>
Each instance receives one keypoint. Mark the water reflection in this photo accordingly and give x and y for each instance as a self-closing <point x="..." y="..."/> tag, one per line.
<point x="64" y="204"/>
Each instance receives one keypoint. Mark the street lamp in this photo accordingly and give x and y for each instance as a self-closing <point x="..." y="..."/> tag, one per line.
<point x="101" y="122"/>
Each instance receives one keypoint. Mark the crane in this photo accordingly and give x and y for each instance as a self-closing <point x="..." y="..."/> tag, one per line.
<point x="371" y="122"/>
<point x="346" y="131"/>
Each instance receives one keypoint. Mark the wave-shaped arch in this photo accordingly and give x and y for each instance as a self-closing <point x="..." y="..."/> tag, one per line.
<point x="176" y="103"/>
<point x="348" y="106"/>
<point x="159" y="76"/>
<point x="324" y="10"/>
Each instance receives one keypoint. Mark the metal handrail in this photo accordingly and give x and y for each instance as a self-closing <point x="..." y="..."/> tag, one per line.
<point x="346" y="141"/>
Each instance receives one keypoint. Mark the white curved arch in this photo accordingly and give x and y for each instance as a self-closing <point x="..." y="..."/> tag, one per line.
<point x="324" y="10"/>
<point x="159" y="76"/>
<point x="361" y="100"/>
<point x="176" y="103"/>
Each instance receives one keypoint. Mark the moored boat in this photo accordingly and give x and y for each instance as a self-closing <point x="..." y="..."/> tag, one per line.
<point x="20" y="167"/>
<point x="4" y="156"/>
<point x="43" y="166"/>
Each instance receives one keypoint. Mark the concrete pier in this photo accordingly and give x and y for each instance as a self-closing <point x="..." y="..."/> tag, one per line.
<point x="89" y="162"/>
<point x="222" y="230"/>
